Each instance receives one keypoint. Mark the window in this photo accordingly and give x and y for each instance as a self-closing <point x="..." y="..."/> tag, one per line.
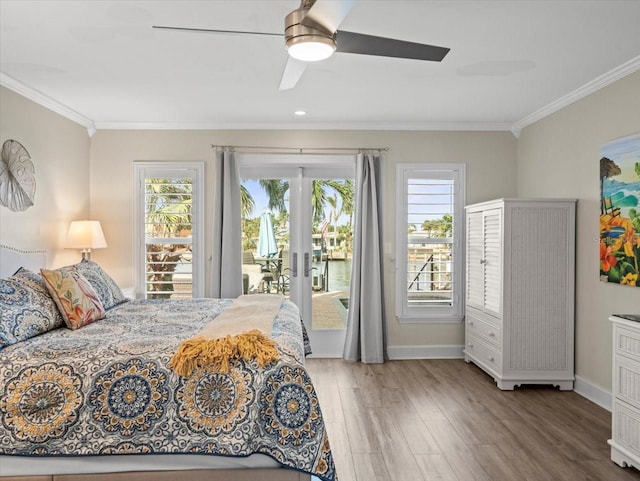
<point x="430" y="203"/>
<point x="169" y="230"/>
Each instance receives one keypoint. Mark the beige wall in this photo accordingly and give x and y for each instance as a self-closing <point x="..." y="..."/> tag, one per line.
<point x="59" y="150"/>
<point x="491" y="172"/>
<point x="78" y="177"/>
<point x="558" y="156"/>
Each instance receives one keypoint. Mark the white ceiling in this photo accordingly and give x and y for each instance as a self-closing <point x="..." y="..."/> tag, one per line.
<point x="101" y="61"/>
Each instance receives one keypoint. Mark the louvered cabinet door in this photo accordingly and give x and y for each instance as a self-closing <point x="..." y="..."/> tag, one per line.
<point x="492" y="261"/>
<point x="475" y="254"/>
<point x="484" y="261"/>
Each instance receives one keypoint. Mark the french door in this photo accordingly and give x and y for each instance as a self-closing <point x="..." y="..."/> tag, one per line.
<point x="310" y="201"/>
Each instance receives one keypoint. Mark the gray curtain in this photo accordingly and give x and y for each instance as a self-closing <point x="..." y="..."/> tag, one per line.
<point x="226" y="265"/>
<point x="365" y="340"/>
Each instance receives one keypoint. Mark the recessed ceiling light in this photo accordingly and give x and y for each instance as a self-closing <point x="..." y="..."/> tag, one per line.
<point x="300" y="113"/>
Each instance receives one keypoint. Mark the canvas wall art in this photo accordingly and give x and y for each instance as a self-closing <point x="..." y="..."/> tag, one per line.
<point x="619" y="211"/>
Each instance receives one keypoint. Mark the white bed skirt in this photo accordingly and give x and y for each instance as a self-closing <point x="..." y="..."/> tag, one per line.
<point x="40" y="465"/>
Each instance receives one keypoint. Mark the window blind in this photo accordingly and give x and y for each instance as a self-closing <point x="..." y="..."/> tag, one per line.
<point x="430" y="211"/>
<point x="168" y="226"/>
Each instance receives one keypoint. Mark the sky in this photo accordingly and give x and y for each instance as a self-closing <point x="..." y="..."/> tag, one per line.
<point x="259" y="197"/>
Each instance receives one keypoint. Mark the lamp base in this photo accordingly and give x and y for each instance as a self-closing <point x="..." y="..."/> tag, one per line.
<point x="86" y="254"/>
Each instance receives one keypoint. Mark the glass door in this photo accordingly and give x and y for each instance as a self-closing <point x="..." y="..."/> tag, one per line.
<point x="297" y="238"/>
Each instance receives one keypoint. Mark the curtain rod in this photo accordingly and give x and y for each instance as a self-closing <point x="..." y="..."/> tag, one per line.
<point x="300" y="149"/>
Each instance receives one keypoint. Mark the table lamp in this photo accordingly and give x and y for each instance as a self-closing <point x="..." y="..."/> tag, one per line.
<point x="85" y="235"/>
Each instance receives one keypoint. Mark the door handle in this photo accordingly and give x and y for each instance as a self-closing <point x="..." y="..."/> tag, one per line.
<point x="306" y="264"/>
<point x="294" y="265"/>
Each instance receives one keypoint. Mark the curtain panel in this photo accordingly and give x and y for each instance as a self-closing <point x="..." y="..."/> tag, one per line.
<point x="365" y="337"/>
<point x="226" y="265"/>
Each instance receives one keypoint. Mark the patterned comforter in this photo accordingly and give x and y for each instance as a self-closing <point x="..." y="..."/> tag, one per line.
<point x="106" y="389"/>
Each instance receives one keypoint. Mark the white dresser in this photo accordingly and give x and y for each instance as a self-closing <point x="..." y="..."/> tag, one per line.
<point x="520" y="270"/>
<point x="625" y="421"/>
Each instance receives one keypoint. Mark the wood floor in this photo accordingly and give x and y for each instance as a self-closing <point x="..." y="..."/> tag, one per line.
<point x="445" y="420"/>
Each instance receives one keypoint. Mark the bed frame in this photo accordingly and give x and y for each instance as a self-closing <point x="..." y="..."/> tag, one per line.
<point x="11" y="259"/>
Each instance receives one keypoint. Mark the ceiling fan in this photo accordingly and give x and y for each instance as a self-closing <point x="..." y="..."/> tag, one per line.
<point x="311" y="34"/>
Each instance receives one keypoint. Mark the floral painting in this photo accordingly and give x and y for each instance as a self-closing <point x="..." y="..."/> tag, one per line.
<point x="619" y="211"/>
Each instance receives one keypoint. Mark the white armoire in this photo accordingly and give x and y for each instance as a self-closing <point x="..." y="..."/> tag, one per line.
<point x="520" y="282"/>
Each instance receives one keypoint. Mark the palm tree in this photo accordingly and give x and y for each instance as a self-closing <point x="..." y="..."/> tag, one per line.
<point x="348" y="200"/>
<point x="319" y="197"/>
<point x="442" y="227"/>
<point x="276" y="190"/>
<point x="246" y="202"/>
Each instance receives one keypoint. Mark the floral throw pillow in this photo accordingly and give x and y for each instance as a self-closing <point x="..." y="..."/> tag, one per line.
<point x="26" y="308"/>
<point x="108" y="291"/>
<point x="77" y="301"/>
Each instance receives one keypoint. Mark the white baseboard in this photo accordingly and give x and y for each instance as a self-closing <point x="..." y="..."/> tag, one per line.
<point x="425" y="352"/>
<point x="593" y="392"/>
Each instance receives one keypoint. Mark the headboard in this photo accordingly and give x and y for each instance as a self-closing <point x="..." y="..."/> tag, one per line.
<point x="12" y="259"/>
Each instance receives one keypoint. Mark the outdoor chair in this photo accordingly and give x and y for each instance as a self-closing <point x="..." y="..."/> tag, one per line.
<point x="284" y="271"/>
<point x="252" y="273"/>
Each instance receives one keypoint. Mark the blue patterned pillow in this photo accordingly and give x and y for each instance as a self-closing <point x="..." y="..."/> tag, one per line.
<point x="26" y="308"/>
<point x="108" y="291"/>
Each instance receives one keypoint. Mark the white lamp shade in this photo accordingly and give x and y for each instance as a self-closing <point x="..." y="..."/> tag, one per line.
<point x="85" y="234"/>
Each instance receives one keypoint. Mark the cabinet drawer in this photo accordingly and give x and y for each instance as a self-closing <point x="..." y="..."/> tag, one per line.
<point x="483" y="352"/>
<point x="626" y="342"/>
<point x="626" y="426"/>
<point x="626" y="380"/>
<point x="484" y="330"/>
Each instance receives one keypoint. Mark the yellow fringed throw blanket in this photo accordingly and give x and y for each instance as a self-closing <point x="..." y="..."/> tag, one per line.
<point x="242" y="331"/>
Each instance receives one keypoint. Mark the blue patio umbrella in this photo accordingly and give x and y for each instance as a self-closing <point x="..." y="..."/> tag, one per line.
<point x="267" y="246"/>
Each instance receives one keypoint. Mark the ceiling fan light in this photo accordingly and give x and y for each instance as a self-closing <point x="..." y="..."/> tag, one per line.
<point x="311" y="48"/>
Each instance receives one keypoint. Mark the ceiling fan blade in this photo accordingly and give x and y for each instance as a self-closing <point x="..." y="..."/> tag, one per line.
<point x="350" y="42"/>
<point x="327" y="14"/>
<point x="293" y="70"/>
<point x="210" y="30"/>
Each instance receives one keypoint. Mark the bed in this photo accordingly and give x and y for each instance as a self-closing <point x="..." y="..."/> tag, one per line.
<point x="101" y="402"/>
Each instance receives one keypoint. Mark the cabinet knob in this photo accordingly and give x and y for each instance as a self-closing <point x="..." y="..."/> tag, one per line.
<point x="470" y="345"/>
<point x="482" y="261"/>
<point x="491" y="334"/>
<point x="471" y="323"/>
<point x="491" y="359"/>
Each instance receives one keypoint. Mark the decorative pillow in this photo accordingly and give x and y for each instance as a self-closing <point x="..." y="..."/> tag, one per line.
<point x="108" y="291"/>
<point x="77" y="301"/>
<point x="26" y="308"/>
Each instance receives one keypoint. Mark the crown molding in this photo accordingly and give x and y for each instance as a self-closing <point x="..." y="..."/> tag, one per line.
<point x="596" y="84"/>
<point x="40" y="98"/>
<point x="47" y="102"/>
<point x="430" y="126"/>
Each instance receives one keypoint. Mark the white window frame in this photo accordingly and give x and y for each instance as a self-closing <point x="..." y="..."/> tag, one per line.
<point x="430" y="314"/>
<point x="195" y="170"/>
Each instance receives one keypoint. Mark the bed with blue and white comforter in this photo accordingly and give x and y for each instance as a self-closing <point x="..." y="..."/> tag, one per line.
<point x="106" y="389"/>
